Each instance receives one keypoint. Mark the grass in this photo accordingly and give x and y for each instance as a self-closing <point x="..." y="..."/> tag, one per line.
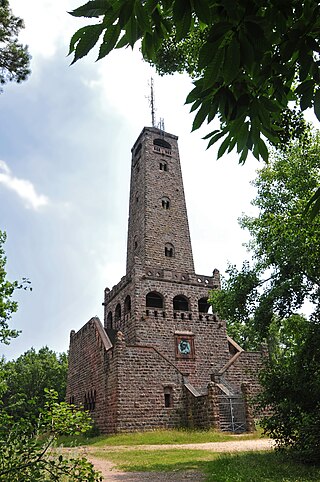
<point x="157" y="437"/>
<point x="243" y="467"/>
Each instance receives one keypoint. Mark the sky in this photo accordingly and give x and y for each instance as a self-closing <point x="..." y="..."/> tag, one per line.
<point x="65" y="152"/>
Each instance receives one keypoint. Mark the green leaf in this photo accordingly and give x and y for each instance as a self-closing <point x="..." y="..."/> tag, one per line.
<point x="306" y="98"/>
<point x="316" y="104"/>
<point x="133" y="32"/>
<point x="109" y="40"/>
<point x="178" y="10"/>
<point x="210" y="134"/>
<point x="147" y="47"/>
<point x="232" y="61"/>
<point x="306" y="63"/>
<point x="90" y="36"/>
<point x="74" y="39"/>
<point x="213" y="108"/>
<point x="224" y="146"/>
<point x="126" y="12"/>
<point x="202" y="9"/>
<point x="314" y="203"/>
<point x="213" y="70"/>
<point x="246" y="50"/>
<point x="193" y="94"/>
<point x="263" y="150"/>
<point x="196" y="105"/>
<point x="206" y="54"/>
<point x="142" y="17"/>
<point x="264" y="116"/>
<point x="200" y="116"/>
<point x="219" y="31"/>
<point x="244" y="155"/>
<point x="269" y="104"/>
<point x="123" y="42"/>
<point x="94" y="8"/>
<point x="151" y="5"/>
<point x="216" y="137"/>
<point x="242" y="136"/>
<point x="304" y="87"/>
<point x="232" y="144"/>
<point x="183" y="24"/>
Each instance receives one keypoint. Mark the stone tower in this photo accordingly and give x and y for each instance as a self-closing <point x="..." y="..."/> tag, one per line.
<point x="158" y="231"/>
<point x="161" y="302"/>
<point x="161" y="359"/>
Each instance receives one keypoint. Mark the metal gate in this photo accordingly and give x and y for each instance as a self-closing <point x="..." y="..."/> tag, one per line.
<point x="232" y="413"/>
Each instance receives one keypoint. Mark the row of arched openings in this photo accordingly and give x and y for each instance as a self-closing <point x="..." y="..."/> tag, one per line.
<point x="117" y="312"/>
<point x="180" y="302"/>
<point x="155" y="300"/>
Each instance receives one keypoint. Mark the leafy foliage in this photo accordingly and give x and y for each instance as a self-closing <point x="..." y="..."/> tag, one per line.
<point x="292" y="393"/>
<point x="284" y="243"/>
<point x="7" y="305"/>
<point x="26" y="380"/>
<point x="14" y="57"/>
<point x="30" y="456"/>
<point x="30" y="420"/>
<point x="251" y="59"/>
<point x="261" y="301"/>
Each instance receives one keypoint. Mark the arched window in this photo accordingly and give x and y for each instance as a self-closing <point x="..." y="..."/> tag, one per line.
<point x="109" y="320"/>
<point x="162" y="143"/>
<point x="163" y="166"/>
<point x="165" y="201"/>
<point x="154" y="300"/>
<point x="127" y="305"/>
<point x="117" y="314"/>
<point x="203" y="305"/>
<point x="169" y="250"/>
<point x="180" y="303"/>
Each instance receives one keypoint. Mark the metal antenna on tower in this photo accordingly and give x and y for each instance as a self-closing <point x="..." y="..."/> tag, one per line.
<point x="151" y="103"/>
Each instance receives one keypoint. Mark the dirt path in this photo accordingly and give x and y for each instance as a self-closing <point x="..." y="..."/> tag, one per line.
<point x="111" y="474"/>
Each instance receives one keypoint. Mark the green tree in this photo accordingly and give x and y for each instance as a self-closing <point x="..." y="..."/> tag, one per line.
<point x="7" y="305"/>
<point x="14" y="57"/>
<point x="262" y="299"/>
<point x="26" y="379"/>
<point x="250" y="58"/>
<point x="33" y="457"/>
<point x="27" y="445"/>
<point x="291" y="393"/>
<point x="285" y="246"/>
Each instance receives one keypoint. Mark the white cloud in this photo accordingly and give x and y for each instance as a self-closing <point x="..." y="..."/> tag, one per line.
<point x="24" y="188"/>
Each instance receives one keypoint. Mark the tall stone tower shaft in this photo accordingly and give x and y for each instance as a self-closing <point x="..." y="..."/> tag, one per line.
<point x="158" y="230"/>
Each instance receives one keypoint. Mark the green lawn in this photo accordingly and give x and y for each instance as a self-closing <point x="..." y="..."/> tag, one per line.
<point x="158" y="437"/>
<point x="243" y="467"/>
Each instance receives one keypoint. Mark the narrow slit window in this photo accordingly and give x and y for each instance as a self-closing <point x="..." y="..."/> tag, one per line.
<point x="168" y="397"/>
<point x="165" y="203"/>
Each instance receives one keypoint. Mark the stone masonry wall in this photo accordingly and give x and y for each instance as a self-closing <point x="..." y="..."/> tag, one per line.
<point x="92" y="374"/>
<point x="144" y="375"/>
<point x="246" y="368"/>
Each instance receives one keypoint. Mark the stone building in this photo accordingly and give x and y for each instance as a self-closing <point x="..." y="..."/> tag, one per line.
<point x="161" y="359"/>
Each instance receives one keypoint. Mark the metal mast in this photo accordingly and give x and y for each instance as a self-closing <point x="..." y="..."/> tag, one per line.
<point x="151" y="101"/>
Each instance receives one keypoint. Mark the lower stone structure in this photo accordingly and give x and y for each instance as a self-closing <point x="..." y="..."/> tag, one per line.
<point x="134" y="387"/>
